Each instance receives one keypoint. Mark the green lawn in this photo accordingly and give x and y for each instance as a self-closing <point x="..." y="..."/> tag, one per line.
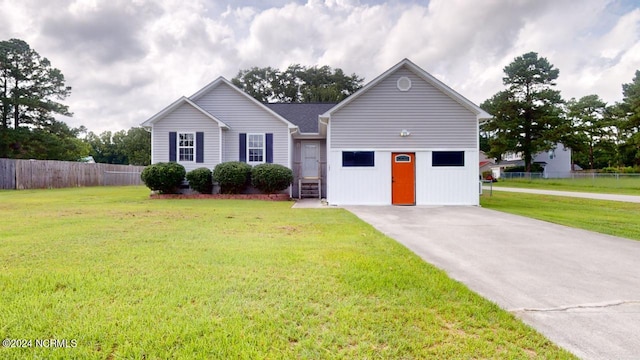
<point x="121" y="276"/>
<point x="607" y="217"/>
<point x="629" y="185"/>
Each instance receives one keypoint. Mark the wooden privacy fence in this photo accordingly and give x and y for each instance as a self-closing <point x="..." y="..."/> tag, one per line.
<point x="45" y="174"/>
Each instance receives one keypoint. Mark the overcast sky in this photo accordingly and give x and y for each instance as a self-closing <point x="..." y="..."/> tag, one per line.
<point x="128" y="59"/>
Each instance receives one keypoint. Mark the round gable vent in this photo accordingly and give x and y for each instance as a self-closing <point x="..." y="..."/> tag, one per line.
<point x="404" y="84"/>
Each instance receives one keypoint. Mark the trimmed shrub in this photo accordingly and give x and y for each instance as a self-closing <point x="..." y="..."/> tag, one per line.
<point x="271" y="178"/>
<point x="535" y="168"/>
<point x="163" y="177"/>
<point x="621" y="170"/>
<point x="200" y="180"/>
<point x="233" y="176"/>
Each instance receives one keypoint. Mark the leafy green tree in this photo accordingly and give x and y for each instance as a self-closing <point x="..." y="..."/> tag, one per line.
<point x="136" y="146"/>
<point x="288" y="84"/>
<point x="297" y="84"/>
<point x="614" y="147"/>
<point x="501" y="130"/>
<point x="527" y="115"/>
<point x="631" y="107"/>
<point x="258" y="82"/>
<point x="589" y="125"/>
<point x="483" y="140"/>
<point x="132" y="147"/>
<point x="631" y="99"/>
<point x="55" y="142"/>
<point x="320" y="84"/>
<point x="30" y="94"/>
<point x="103" y="149"/>
<point x="29" y="87"/>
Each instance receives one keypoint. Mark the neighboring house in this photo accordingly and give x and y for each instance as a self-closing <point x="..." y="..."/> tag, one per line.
<point x="485" y="163"/>
<point x="405" y="138"/>
<point x="556" y="162"/>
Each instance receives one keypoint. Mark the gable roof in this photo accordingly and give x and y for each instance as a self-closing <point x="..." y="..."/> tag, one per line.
<point x="221" y="80"/>
<point x="480" y="114"/>
<point x="176" y="104"/>
<point x="304" y="115"/>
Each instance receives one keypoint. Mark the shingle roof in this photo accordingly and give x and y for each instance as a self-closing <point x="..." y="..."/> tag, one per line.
<point x="304" y="115"/>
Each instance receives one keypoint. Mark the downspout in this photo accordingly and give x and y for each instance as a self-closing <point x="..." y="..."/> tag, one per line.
<point x="219" y="145"/>
<point x="290" y="155"/>
<point x="150" y="130"/>
<point x="327" y="153"/>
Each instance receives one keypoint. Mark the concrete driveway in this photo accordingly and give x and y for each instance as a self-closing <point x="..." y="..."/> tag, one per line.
<point x="578" y="288"/>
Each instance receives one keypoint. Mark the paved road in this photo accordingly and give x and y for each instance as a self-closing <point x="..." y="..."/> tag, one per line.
<point x="580" y="289"/>
<point x="613" y="197"/>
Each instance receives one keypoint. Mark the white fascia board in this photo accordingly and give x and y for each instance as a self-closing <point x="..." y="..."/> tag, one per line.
<point x="364" y="89"/>
<point x="175" y="105"/>
<point x="480" y="114"/>
<point x="206" y="89"/>
<point x="149" y="122"/>
<point x="208" y="114"/>
<point x="309" y="136"/>
<point x="323" y="125"/>
<point x="221" y="80"/>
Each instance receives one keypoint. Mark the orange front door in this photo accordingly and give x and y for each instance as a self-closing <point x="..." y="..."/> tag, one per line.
<point x="403" y="179"/>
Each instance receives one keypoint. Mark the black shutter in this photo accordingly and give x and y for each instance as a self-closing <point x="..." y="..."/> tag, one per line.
<point x="173" y="139"/>
<point x="269" y="145"/>
<point x="199" y="147"/>
<point x="243" y="148"/>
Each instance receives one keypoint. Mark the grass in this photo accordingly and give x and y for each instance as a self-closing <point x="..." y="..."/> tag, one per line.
<point x="126" y="277"/>
<point x="629" y="185"/>
<point x="607" y="217"/>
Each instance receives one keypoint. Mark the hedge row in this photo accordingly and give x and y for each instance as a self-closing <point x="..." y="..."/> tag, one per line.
<point x="233" y="177"/>
<point x="163" y="177"/>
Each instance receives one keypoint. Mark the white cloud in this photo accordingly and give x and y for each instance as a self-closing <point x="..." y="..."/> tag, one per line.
<point x="127" y="60"/>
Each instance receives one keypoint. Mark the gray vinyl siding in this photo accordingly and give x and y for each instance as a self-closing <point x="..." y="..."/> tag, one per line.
<point x="187" y="119"/>
<point x="374" y="120"/>
<point x="244" y="116"/>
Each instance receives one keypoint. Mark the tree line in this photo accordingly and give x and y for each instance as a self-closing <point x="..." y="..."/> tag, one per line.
<point x="529" y="115"/>
<point x="297" y="84"/>
<point x="31" y="94"/>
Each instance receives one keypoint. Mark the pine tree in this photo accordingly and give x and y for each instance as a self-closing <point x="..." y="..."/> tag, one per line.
<point x="527" y="115"/>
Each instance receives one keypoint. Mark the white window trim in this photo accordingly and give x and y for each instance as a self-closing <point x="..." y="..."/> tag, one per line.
<point x="404" y="84"/>
<point x="264" y="148"/>
<point x="185" y="147"/>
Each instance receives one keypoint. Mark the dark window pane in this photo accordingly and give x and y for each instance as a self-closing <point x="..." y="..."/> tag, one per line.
<point x="447" y="158"/>
<point x="403" y="158"/>
<point x="357" y="158"/>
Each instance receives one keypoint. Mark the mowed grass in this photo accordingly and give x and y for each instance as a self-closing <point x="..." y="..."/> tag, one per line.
<point x="624" y="184"/>
<point x="607" y="217"/>
<point x="128" y="277"/>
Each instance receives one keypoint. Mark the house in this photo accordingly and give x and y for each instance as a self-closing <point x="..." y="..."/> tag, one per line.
<point x="405" y="138"/>
<point x="556" y="163"/>
<point x="485" y="163"/>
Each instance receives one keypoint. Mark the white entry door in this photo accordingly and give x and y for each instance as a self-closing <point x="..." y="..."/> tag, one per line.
<point x="310" y="159"/>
